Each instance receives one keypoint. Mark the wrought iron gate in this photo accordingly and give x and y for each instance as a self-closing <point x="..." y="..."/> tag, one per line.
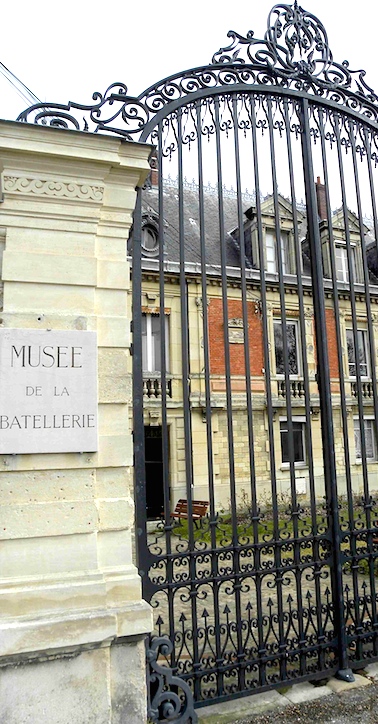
<point x="254" y="356"/>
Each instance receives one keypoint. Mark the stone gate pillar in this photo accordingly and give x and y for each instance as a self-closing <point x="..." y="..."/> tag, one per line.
<point x="72" y="620"/>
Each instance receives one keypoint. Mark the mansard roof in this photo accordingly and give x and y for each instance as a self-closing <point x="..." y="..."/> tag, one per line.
<point x="192" y="231"/>
<point x="191" y="220"/>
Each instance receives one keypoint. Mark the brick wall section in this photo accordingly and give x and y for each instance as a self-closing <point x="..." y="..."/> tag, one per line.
<point x="332" y="343"/>
<point x="321" y="199"/>
<point x="216" y="333"/>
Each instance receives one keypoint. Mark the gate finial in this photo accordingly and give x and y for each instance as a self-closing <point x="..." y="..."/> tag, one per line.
<point x="295" y="43"/>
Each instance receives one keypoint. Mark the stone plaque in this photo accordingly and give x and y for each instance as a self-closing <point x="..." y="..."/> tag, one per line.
<point x="48" y="391"/>
<point x="300" y="486"/>
<point x="236" y="331"/>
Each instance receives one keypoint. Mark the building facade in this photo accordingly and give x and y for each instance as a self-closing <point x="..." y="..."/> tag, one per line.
<point x="301" y="355"/>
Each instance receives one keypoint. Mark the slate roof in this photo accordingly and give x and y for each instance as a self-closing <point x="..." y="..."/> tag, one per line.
<point x="191" y="216"/>
<point x="191" y="220"/>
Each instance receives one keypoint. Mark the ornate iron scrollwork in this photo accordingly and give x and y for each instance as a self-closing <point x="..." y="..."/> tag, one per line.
<point x="250" y="607"/>
<point x="171" y="699"/>
<point x="291" y="31"/>
<point x="294" y="54"/>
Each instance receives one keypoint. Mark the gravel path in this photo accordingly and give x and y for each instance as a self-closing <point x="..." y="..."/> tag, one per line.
<point x="359" y="706"/>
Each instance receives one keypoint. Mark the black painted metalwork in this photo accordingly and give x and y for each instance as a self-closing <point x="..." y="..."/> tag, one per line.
<point x="277" y="582"/>
<point x="325" y="397"/>
<point x="169" y="697"/>
<point x="294" y="56"/>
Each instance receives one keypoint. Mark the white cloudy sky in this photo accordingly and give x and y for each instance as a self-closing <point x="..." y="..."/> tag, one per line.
<point x="65" y="51"/>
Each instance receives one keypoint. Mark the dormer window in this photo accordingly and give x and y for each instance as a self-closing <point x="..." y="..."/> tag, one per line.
<point x="271" y="252"/>
<point x="341" y="259"/>
<point x="150" y="241"/>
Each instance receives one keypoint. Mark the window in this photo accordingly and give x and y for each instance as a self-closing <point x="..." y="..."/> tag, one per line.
<point x="370" y="439"/>
<point x="298" y="441"/>
<point x="150" y="241"/>
<point x="271" y="252"/>
<point x="292" y="347"/>
<point x="341" y="259"/>
<point x="151" y="343"/>
<point x="362" y="353"/>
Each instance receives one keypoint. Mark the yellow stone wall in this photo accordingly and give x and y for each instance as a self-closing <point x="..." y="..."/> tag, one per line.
<point x="66" y="570"/>
<point x="260" y="421"/>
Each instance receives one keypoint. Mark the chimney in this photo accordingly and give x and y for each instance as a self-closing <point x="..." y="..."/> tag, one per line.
<point x="321" y="200"/>
<point x="154" y="176"/>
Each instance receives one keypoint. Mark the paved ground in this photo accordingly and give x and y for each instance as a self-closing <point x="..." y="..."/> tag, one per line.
<point x="360" y="706"/>
<point x="330" y="702"/>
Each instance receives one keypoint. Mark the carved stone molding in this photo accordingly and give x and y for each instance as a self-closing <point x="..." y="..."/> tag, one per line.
<point x="49" y="187"/>
<point x="199" y="304"/>
<point x="154" y="418"/>
<point x="236" y="331"/>
<point x="236" y="322"/>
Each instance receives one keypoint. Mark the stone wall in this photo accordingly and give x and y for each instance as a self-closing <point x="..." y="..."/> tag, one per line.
<point x="72" y="618"/>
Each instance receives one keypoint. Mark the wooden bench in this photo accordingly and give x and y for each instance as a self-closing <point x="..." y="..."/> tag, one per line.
<point x="199" y="509"/>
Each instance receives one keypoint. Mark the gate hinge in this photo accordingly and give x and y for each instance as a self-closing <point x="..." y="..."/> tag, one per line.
<point x="131" y="349"/>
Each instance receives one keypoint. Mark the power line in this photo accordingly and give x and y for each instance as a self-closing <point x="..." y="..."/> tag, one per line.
<point x="21" y="89"/>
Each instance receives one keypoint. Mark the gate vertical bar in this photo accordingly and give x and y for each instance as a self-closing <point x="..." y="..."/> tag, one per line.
<point x="277" y="551"/>
<point x="367" y="138"/>
<point x="321" y="123"/>
<point x="298" y="267"/>
<point x="138" y="424"/>
<point x="227" y="360"/>
<point x="367" y="495"/>
<point x="168" y="526"/>
<point x="206" y="348"/>
<point x="323" y="380"/>
<point x="186" y="389"/>
<point x="338" y="127"/>
<point x="247" y="367"/>
<point x="263" y="296"/>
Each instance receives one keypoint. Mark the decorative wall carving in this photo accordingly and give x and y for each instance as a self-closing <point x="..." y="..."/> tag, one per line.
<point x="236" y="331"/>
<point x="50" y="187"/>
